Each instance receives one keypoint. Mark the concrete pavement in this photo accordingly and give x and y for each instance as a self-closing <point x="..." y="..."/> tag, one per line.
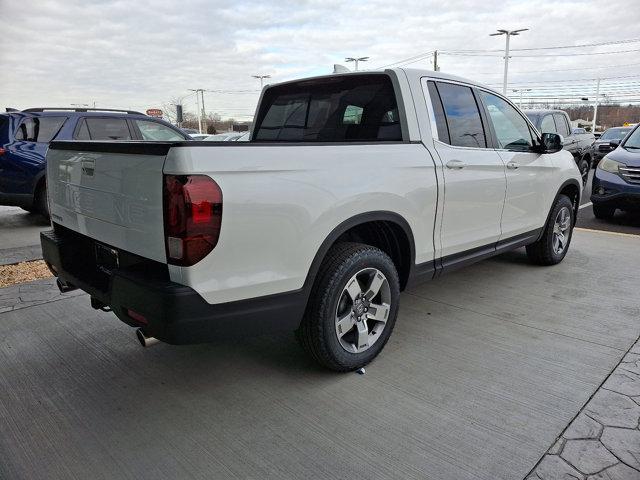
<point x="485" y="369"/>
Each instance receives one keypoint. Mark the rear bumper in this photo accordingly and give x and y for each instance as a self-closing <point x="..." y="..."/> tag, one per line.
<point x="171" y="312"/>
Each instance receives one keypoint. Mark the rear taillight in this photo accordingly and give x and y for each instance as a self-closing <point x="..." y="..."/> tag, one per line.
<point x="192" y="217"/>
<point x="2" y="151"/>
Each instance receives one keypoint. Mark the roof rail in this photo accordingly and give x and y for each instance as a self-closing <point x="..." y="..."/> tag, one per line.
<point x="46" y="109"/>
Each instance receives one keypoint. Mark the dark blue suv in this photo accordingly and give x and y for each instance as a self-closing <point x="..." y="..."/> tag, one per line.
<point x="616" y="182"/>
<point x="25" y="136"/>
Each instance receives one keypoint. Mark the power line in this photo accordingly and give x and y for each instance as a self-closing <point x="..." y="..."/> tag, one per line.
<point x="584" y="45"/>
<point x="563" y="69"/>
<point x="453" y="53"/>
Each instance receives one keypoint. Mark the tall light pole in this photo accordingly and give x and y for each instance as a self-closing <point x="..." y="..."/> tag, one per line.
<point x="595" y="107"/>
<point x="508" y="34"/>
<point x="521" y="90"/>
<point x="356" y="60"/>
<point x="261" y="78"/>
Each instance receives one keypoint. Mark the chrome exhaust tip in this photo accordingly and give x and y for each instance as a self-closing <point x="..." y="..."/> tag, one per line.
<point x="144" y="340"/>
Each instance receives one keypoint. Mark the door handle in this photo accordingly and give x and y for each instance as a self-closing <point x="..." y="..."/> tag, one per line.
<point x="456" y="164"/>
<point x="513" y="165"/>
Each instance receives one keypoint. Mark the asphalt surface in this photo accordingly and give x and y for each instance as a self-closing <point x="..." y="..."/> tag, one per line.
<point x="485" y="368"/>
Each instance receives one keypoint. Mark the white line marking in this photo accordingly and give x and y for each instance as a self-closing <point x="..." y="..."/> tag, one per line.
<point x="588" y="204"/>
<point x="620" y="234"/>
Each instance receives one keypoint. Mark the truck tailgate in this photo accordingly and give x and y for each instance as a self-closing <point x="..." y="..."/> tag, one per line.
<point x="111" y="192"/>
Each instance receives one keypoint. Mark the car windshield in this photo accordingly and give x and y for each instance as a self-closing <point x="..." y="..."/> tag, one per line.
<point x="615" y="134"/>
<point x="634" y="140"/>
<point x="534" y="117"/>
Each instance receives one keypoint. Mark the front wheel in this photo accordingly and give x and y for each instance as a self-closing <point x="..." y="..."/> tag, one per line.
<point x="352" y="308"/>
<point x="554" y="243"/>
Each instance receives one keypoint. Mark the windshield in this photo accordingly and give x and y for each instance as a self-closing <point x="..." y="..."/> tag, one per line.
<point x="615" y="134"/>
<point x="534" y="117"/>
<point x="634" y="140"/>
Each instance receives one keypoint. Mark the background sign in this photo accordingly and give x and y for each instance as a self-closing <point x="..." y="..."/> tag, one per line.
<point x="154" y="112"/>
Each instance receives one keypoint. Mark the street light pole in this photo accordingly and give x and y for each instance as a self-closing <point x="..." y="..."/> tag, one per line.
<point x="356" y="60"/>
<point x="595" y="107"/>
<point x="261" y="78"/>
<point x="508" y="34"/>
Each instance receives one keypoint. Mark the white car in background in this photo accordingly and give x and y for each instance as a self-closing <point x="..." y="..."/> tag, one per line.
<point x="199" y="136"/>
<point x="223" y="137"/>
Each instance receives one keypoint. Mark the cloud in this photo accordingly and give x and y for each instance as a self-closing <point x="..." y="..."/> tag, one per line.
<point x="141" y="54"/>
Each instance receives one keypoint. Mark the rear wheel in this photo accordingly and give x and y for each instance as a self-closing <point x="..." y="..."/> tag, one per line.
<point x="352" y="308"/>
<point x="603" y="213"/>
<point x="554" y="243"/>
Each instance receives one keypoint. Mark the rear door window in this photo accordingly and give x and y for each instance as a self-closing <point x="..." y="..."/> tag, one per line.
<point x="462" y="115"/>
<point x="104" y="129"/>
<point x="151" y="130"/>
<point x="347" y="108"/>
<point x="39" y="129"/>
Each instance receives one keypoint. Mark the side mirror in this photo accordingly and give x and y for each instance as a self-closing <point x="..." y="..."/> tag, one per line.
<point x="614" y="142"/>
<point x="552" y="142"/>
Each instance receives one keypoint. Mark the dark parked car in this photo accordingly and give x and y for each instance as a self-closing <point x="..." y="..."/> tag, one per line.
<point x="577" y="141"/>
<point x="602" y="146"/>
<point x="25" y="137"/>
<point x="616" y="182"/>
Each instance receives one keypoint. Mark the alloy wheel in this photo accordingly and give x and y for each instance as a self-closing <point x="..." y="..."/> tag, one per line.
<point x="362" y="310"/>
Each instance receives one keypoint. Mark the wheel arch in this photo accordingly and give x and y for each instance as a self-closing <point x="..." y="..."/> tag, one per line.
<point x="386" y="230"/>
<point x="570" y="188"/>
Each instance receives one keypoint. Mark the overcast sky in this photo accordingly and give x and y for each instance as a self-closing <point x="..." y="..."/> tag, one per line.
<point x="139" y="54"/>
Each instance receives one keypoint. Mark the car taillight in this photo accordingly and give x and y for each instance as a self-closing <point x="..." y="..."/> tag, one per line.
<point x="192" y="217"/>
<point x="2" y="151"/>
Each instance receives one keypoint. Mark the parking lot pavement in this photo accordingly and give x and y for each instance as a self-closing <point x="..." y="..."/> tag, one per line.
<point x="484" y="370"/>
<point x="20" y="235"/>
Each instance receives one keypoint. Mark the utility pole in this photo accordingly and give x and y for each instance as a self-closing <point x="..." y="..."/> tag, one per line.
<point x="200" y="112"/>
<point x="261" y="78"/>
<point x="508" y="34"/>
<point x="356" y="60"/>
<point x="435" y="61"/>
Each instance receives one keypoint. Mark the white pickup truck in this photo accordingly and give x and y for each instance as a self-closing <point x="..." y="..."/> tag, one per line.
<point x="352" y="188"/>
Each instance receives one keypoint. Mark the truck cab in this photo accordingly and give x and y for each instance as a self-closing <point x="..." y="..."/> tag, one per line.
<point x="576" y="141"/>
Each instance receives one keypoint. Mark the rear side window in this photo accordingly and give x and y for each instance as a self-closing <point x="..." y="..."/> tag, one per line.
<point x="548" y="125"/>
<point x="39" y="129"/>
<point x="346" y="108"/>
<point x="561" y="124"/>
<point x="156" y="131"/>
<point x="462" y="115"/>
<point x="103" y="129"/>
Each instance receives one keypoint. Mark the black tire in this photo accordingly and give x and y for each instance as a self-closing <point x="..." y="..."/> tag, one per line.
<point x="543" y="252"/>
<point x="584" y="165"/>
<point x="318" y="331"/>
<point x="40" y="204"/>
<point x="603" y="213"/>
